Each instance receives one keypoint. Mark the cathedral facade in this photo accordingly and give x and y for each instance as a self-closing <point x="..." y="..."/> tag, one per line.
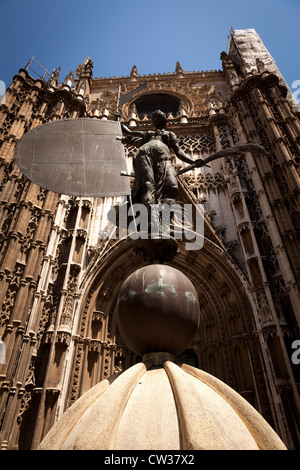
<point x="61" y="268"/>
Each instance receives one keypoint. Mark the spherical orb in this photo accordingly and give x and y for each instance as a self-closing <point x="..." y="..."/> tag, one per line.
<point x="158" y="310"/>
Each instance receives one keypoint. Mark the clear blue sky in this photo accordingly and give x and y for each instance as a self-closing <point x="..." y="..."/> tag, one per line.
<point x="154" y="35"/>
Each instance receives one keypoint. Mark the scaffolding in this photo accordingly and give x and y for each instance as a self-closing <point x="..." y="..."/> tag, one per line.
<point x="40" y="73"/>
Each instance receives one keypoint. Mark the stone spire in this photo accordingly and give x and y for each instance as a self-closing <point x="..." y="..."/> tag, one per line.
<point x="83" y="78"/>
<point x="134" y="72"/>
<point x="178" y="68"/>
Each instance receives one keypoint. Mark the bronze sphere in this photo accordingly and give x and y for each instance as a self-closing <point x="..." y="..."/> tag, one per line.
<point x="158" y="310"/>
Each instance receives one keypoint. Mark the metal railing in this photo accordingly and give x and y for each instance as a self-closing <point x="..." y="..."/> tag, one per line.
<point x="40" y="73"/>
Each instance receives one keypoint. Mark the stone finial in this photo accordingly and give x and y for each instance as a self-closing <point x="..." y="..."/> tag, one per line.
<point x="230" y="70"/>
<point x="85" y="70"/>
<point x="69" y="79"/>
<point x="134" y="72"/>
<point x="88" y="66"/>
<point x="54" y="77"/>
<point x="178" y="68"/>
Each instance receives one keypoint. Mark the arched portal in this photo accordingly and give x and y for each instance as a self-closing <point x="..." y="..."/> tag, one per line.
<point x="227" y="344"/>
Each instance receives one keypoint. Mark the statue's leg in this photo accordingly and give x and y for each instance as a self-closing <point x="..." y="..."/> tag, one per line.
<point x="169" y="188"/>
<point x="143" y="191"/>
<point x="147" y="182"/>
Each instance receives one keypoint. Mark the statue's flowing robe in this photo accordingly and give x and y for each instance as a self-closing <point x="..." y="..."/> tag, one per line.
<point x="155" y="176"/>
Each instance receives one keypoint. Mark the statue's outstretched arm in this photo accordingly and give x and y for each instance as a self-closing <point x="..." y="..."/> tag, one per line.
<point x="127" y="131"/>
<point x="180" y="154"/>
<point x="238" y="149"/>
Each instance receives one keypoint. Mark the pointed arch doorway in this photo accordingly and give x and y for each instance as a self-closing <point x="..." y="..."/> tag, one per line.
<point x="226" y="345"/>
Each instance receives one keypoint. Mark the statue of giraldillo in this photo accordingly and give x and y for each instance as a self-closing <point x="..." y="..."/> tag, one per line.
<point x="155" y="176"/>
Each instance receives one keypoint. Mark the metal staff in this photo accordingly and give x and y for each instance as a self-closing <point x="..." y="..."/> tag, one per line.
<point x="238" y="149"/>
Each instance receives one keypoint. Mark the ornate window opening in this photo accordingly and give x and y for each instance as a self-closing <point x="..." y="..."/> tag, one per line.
<point x="147" y="104"/>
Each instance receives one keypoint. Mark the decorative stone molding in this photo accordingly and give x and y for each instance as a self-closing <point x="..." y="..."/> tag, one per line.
<point x="239" y="341"/>
<point x="232" y="312"/>
<point x="270" y="331"/>
<point x="48" y="337"/>
<point x="243" y="227"/>
<point x="212" y="349"/>
<point x="106" y="292"/>
<point x="52" y="395"/>
<point x="284" y="387"/>
<point x="63" y="337"/>
<point x="208" y="321"/>
<point x="95" y="345"/>
<point x="98" y="316"/>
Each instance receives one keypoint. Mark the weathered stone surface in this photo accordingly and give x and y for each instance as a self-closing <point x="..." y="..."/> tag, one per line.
<point x="164" y="408"/>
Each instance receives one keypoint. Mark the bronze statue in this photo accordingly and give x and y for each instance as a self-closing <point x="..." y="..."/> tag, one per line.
<point x="155" y="176"/>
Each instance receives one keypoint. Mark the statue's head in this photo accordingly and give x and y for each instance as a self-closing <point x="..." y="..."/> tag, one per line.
<point x="159" y="119"/>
